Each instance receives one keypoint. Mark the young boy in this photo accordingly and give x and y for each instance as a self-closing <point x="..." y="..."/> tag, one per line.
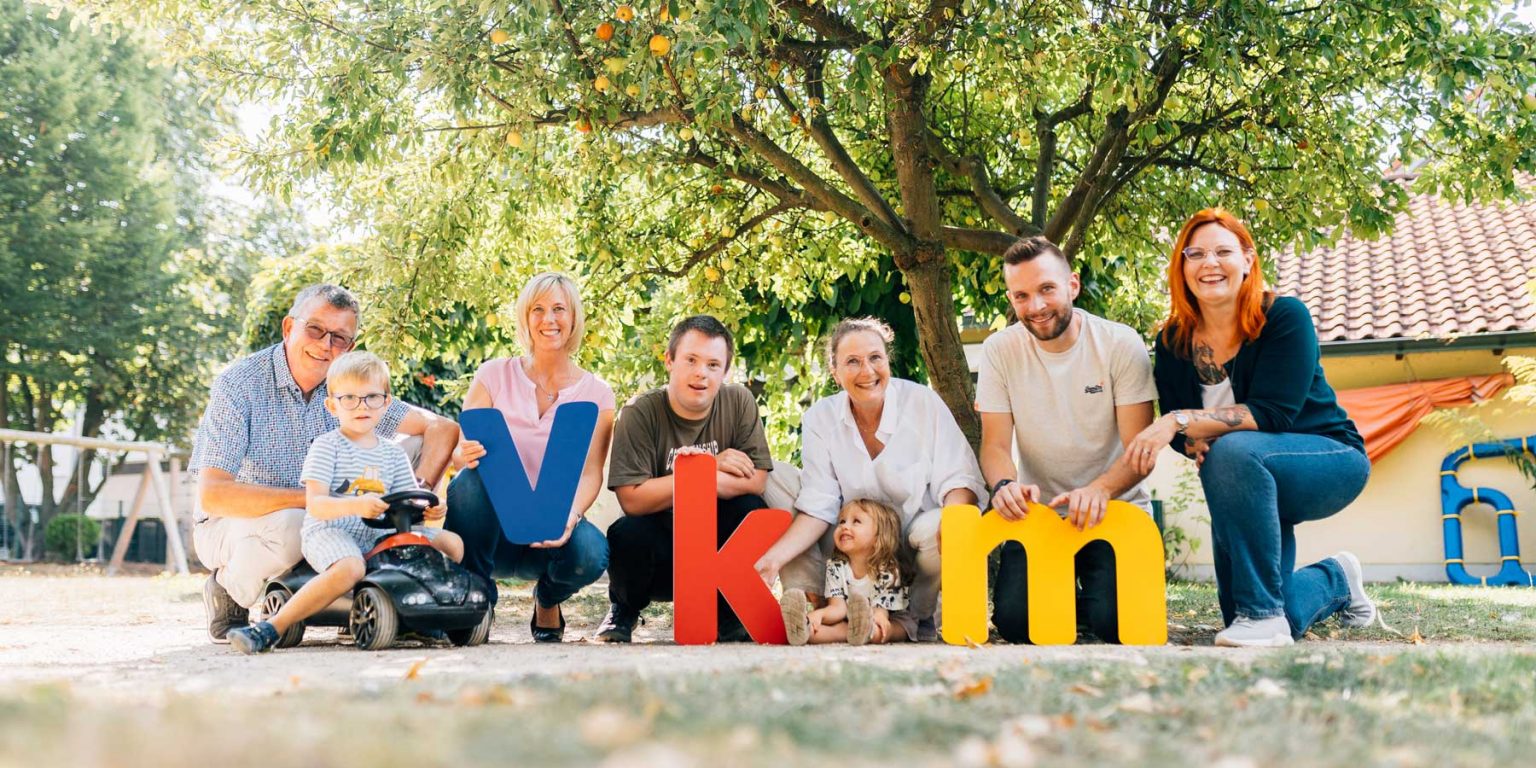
<point x="346" y="472"/>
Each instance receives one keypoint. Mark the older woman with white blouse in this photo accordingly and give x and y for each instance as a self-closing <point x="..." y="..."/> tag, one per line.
<point x="884" y="439"/>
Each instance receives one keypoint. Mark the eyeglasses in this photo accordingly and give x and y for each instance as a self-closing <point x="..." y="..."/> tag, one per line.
<point x="1201" y="254"/>
<point x="374" y="401"/>
<point x="338" y="341"/>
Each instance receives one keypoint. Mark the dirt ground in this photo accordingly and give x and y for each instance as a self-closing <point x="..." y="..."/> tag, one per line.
<point x="138" y="635"/>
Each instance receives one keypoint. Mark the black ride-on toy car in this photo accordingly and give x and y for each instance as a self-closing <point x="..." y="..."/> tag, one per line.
<point x="409" y="586"/>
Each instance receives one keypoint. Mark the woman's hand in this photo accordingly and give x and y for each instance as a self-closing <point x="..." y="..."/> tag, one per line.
<point x="1143" y="450"/>
<point x="1197" y="448"/>
<point x="467" y="454"/>
<point x="570" y="525"/>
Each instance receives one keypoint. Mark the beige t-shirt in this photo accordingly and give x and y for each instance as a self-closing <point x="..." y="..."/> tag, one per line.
<point x="1063" y="403"/>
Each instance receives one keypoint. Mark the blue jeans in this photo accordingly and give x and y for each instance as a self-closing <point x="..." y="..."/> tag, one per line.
<point x="561" y="572"/>
<point x="1258" y="487"/>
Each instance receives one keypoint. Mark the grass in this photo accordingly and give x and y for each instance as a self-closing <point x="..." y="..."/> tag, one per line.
<point x="1312" y="705"/>
<point x="1436" y="612"/>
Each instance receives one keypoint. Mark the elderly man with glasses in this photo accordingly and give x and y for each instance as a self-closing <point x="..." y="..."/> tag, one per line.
<point x="262" y="413"/>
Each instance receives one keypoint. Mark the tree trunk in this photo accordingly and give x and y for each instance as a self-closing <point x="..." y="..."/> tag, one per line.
<point x="933" y="303"/>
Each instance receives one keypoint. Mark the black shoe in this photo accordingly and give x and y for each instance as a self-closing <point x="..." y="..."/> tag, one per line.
<point x="546" y="634"/>
<point x="618" y="625"/>
<point x="256" y="638"/>
<point x="224" y="613"/>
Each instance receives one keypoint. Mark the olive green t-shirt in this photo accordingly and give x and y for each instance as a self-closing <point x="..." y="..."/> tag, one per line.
<point x="649" y="434"/>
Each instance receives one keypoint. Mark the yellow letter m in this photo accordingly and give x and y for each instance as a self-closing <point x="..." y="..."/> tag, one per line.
<point x="968" y="537"/>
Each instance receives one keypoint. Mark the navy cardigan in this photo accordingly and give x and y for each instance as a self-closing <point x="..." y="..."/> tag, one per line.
<point x="1278" y="376"/>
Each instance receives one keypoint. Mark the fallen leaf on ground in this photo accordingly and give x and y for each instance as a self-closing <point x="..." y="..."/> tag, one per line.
<point x="1085" y="689"/>
<point x="1416" y="638"/>
<point x="968" y="689"/>
<point x="415" y="670"/>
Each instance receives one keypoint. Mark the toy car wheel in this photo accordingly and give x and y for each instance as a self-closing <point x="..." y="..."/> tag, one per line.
<point x="374" y="621"/>
<point x="271" y="603"/>
<point x="476" y="635"/>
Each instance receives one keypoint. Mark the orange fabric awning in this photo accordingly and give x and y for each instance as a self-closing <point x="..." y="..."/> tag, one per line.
<point x="1387" y="415"/>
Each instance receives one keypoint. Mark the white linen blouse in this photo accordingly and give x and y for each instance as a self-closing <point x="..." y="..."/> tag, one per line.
<point x="925" y="456"/>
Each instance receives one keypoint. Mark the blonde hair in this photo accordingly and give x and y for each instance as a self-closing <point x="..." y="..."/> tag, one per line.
<point x="365" y="367"/>
<point x="549" y="282"/>
<point x="888" y="557"/>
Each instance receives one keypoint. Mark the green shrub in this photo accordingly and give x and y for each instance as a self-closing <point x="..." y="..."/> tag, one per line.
<point x="71" y="536"/>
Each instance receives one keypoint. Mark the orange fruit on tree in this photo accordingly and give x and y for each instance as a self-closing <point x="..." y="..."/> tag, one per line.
<point x="584" y="125"/>
<point x="660" y="45"/>
<point x="624" y="13"/>
<point x="605" y="31"/>
<point x="499" y="37"/>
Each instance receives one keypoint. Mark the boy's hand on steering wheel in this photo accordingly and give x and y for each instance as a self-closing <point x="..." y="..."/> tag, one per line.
<point x="371" y="505"/>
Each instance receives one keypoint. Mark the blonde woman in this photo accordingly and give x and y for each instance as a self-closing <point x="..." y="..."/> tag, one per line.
<point x="527" y="389"/>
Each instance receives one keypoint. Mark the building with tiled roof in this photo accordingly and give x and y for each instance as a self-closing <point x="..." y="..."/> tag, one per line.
<point x="1449" y="273"/>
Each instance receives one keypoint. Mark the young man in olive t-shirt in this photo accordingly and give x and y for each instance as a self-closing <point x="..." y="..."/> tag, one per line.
<point x="695" y="413"/>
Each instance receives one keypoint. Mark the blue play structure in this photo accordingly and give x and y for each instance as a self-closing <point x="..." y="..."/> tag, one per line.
<point x="1454" y="498"/>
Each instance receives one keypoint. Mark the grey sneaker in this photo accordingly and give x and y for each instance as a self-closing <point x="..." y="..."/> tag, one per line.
<point x="861" y="620"/>
<point x="1360" y="612"/>
<point x="797" y="616"/>
<point x="223" y="612"/>
<point x="1273" y="632"/>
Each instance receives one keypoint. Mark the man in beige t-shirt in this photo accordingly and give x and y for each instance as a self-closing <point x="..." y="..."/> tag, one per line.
<point x="1073" y="389"/>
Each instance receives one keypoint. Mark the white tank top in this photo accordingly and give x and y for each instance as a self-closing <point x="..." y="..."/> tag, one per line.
<point x="1214" y="396"/>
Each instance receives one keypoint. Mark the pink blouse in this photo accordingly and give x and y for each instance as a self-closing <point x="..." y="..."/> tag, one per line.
<point x="513" y="393"/>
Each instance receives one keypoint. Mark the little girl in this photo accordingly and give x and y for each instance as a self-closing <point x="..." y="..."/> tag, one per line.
<point x="866" y="581"/>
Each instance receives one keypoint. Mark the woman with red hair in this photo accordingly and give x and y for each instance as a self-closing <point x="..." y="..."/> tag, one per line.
<point x="1243" y="394"/>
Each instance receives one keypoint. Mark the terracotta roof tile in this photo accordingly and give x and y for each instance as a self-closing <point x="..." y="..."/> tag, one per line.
<point x="1446" y="270"/>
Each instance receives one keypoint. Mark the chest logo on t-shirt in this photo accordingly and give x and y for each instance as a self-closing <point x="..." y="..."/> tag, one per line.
<point x="368" y="482"/>
<point x="712" y="447"/>
<point x="1094" y="389"/>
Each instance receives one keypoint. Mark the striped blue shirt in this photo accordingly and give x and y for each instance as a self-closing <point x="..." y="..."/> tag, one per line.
<point x="258" y="426"/>
<point x="348" y="469"/>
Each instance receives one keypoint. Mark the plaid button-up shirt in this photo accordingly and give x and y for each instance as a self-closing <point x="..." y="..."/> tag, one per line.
<point x="258" y="426"/>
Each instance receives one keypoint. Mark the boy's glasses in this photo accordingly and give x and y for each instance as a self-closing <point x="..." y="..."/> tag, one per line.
<point x="338" y="341"/>
<point x="374" y="401"/>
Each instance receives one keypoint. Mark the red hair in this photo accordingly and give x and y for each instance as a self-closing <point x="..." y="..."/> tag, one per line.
<point x="1184" y="310"/>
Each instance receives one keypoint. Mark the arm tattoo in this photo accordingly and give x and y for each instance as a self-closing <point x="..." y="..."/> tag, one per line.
<point x="1232" y="416"/>
<point x="1205" y="365"/>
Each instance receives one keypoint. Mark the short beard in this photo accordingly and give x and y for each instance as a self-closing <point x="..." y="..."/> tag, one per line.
<point x="1056" y="330"/>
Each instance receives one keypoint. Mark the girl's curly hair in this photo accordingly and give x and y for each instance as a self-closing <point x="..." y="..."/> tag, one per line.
<point x="889" y="555"/>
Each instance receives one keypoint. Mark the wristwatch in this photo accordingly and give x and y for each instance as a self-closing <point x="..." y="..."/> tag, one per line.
<point x="999" y="484"/>
<point x="1182" y="419"/>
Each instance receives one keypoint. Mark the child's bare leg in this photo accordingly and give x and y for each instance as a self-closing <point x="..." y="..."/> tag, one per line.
<point x="830" y="633"/>
<point x="887" y="631"/>
<point x="449" y="543"/>
<point x="321" y="591"/>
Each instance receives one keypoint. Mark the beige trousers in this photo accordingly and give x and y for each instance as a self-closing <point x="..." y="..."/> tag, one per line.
<point x="246" y="551"/>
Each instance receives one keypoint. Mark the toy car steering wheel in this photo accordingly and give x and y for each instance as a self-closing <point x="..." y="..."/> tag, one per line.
<point x="406" y="508"/>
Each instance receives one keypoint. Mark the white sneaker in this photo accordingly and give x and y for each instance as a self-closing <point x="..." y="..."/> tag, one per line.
<point x="1361" y="611"/>
<point x="1273" y="632"/>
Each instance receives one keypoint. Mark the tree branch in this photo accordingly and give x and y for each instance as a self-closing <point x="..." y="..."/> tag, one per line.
<point x="719" y="244"/>
<point x="820" y="129"/>
<point x="986" y="194"/>
<point x="1045" y="134"/>
<point x="815" y="186"/>
<point x="978" y="240"/>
